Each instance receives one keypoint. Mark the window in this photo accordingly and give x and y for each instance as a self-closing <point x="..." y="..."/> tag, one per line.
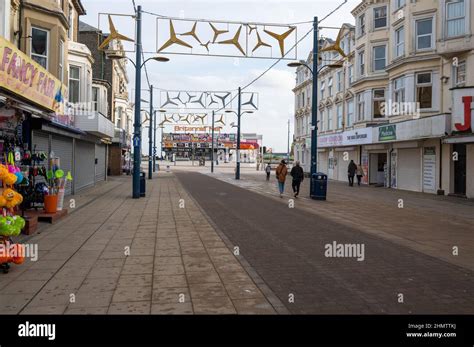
<point x="74" y="83"/>
<point x="379" y="99"/>
<point x="424" y="34"/>
<point x="460" y="74"/>
<point x="61" y="61"/>
<point x="380" y="17"/>
<point x="321" y="119"/>
<point x="39" y="46"/>
<point x="339" y="81"/>
<point x="424" y="90"/>
<point x="400" y="42"/>
<point x="339" y="116"/>
<point x="399" y="89"/>
<point x="119" y="117"/>
<point x="400" y="3"/>
<point x="351" y="74"/>
<point x="361" y="22"/>
<point x="70" y="21"/>
<point x="455" y="18"/>
<point x="95" y="99"/>
<point x="330" y="86"/>
<point x="361" y="63"/>
<point x="322" y="89"/>
<point x="379" y="58"/>
<point x="329" y="119"/>
<point x="360" y="107"/>
<point x="350" y="112"/>
<point x="302" y="99"/>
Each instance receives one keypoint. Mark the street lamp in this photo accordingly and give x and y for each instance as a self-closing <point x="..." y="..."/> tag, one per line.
<point x="239" y="115"/>
<point x="315" y="191"/>
<point x="137" y="123"/>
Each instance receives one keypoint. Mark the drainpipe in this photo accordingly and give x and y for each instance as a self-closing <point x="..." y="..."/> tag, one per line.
<point x="440" y="184"/>
<point x="389" y="160"/>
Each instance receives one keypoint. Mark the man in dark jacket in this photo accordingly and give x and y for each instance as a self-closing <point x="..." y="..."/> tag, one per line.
<point x="351" y="171"/>
<point x="298" y="177"/>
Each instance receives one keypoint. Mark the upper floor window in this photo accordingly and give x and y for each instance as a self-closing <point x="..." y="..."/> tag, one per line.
<point x="400" y="3"/>
<point x="74" y="83"/>
<point x="360" y="107"/>
<point x="61" y="61"/>
<point x="302" y="99"/>
<point x="330" y="86"/>
<point x="379" y="58"/>
<point x="460" y="74"/>
<point x="321" y="119"/>
<point x="119" y="117"/>
<point x="351" y="74"/>
<point x="399" y="89"/>
<point x="455" y="18"/>
<point x="339" y="116"/>
<point x="329" y="124"/>
<point x="95" y="98"/>
<point x="424" y="90"/>
<point x="70" y="20"/>
<point x="424" y="34"/>
<point x="361" y="24"/>
<point x="322" y="89"/>
<point x="350" y="112"/>
<point x="378" y="100"/>
<point x="39" y="46"/>
<point x="380" y="17"/>
<point x="339" y="81"/>
<point x="400" y="42"/>
<point x="361" y="63"/>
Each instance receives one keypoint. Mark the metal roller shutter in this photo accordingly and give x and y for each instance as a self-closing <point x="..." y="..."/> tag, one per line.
<point x="62" y="148"/>
<point x="84" y="169"/>
<point x="101" y="166"/>
<point x="409" y="169"/>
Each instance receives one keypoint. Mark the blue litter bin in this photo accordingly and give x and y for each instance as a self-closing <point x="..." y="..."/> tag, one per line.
<point x="142" y="183"/>
<point x="319" y="184"/>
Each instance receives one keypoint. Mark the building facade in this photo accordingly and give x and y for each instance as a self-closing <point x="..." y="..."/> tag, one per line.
<point x="406" y="76"/>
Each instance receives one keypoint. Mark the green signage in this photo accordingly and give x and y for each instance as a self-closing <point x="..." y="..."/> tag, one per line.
<point x="388" y="133"/>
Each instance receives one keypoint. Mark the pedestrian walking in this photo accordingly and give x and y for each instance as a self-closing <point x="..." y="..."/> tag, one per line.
<point x="281" y="172"/>
<point x="298" y="177"/>
<point x="351" y="171"/>
<point x="360" y="174"/>
<point x="268" y="170"/>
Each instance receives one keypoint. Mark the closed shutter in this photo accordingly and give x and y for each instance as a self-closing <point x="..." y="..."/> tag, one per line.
<point x="84" y="168"/>
<point x="343" y="165"/>
<point x="100" y="167"/>
<point x="409" y="169"/>
<point x="62" y="148"/>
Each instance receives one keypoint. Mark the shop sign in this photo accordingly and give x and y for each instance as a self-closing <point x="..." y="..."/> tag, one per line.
<point x="357" y="137"/>
<point x="22" y="76"/>
<point x="388" y="133"/>
<point x="330" y="140"/>
<point x="429" y="168"/>
<point x="467" y="124"/>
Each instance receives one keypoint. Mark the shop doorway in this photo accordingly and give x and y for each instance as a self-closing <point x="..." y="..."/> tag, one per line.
<point x="377" y="168"/>
<point x="460" y="169"/>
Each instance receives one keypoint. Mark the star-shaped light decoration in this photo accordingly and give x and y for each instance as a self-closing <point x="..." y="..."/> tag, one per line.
<point x="260" y="43"/>
<point x="114" y="35"/>
<point x="192" y="33"/>
<point x="280" y="38"/>
<point x="217" y="32"/>
<point x="173" y="40"/>
<point x="234" y="41"/>
<point x="336" y="46"/>
<point x="220" y="120"/>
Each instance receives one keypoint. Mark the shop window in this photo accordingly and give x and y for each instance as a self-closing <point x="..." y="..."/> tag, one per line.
<point x="424" y="90"/>
<point x="379" y="58"/>
<point x="378" y="101"/>
<point x="380" y="17"/>
<point x="74" y="84"/>
<point x="455" y="18"/>
<point x="39" y="46"/>
<point x="424" y="34"/>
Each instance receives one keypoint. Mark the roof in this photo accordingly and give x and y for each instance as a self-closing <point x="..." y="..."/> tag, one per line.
<point x="86" y="27"/>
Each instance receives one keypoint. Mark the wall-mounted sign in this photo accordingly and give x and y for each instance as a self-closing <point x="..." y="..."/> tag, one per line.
<point x="24" y="77"/>
<point x="388" y="132"/>
<point x="429" y="169"/>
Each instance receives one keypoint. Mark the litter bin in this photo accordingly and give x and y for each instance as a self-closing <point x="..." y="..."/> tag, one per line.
<point x="142" y="183"/>
<point x="319" y="183"/>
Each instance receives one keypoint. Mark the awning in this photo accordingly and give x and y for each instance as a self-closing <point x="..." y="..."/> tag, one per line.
<point x="459" y="139"/>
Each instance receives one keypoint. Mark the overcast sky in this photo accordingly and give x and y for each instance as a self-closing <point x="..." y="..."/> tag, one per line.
<point x="184" y="72"/>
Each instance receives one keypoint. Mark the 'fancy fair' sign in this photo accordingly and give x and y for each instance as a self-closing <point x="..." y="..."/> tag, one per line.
<point x="21" y="75"/>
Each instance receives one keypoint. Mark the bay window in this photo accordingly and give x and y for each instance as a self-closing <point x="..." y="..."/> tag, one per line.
<point x="350" y="112"/>
<point x="378" y="100"/>
<point x="74" y="84"/>
<point x="399" y="89"/>
<point x="40" y="46"/>
<point x="424" y="90"/>
<point x="380" y="17"/>
<point x="400" y="42"/>
<point x="360" y="107"/>
<point x="379" y="58"/>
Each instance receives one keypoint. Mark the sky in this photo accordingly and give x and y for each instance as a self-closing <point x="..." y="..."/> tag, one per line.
<point x="200" y="73"/>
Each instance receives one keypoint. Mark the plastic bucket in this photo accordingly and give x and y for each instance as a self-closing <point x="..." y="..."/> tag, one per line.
<point x="51" y="203"/>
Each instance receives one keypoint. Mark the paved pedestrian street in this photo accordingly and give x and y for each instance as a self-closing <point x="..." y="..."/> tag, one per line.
<point x="119" y="255"/>
<point x="198" y="244"/>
